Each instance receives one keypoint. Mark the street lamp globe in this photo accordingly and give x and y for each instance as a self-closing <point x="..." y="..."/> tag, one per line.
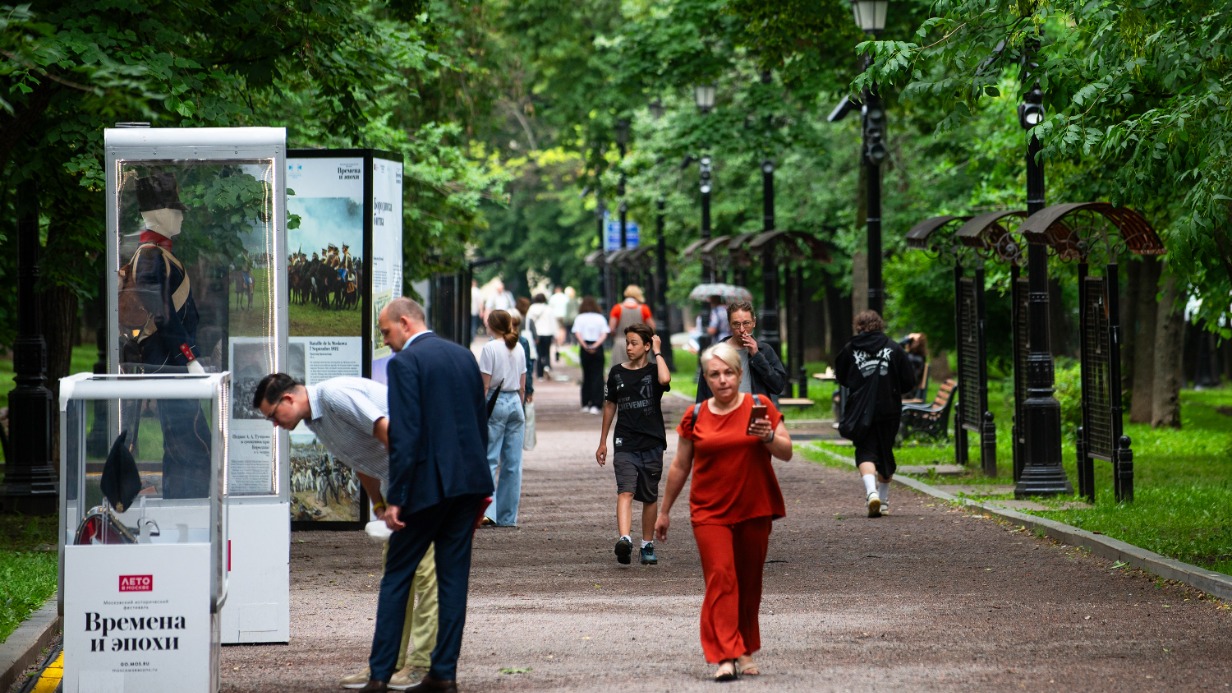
<point x="704" y="95"/>
<point x="870" y="14"/>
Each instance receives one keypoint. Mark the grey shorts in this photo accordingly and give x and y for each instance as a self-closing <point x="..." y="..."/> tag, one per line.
<point x="639" y="473"/>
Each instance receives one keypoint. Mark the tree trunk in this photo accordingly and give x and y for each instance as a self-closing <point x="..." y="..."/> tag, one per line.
<point x="1145" y="282"/>
<point x="59" y="308"/>
<point x="1169" y="344"/>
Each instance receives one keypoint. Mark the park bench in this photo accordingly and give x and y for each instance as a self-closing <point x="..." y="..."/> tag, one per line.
<point x="932" y="420"/>
<point x="785" y="402"/>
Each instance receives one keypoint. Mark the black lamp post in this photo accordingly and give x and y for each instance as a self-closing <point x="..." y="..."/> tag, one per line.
<point x="704" y="96"/>
<point x="622" y="141"/>
<point x="29" y="476"/>
<point x="663" y="318"/>
<point x="1042" y="473"/>
<point x="870" y="16"/>
<point x="769" y="321"/>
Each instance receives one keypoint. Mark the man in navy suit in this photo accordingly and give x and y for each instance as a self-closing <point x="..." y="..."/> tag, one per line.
<point x="438" y="478"/>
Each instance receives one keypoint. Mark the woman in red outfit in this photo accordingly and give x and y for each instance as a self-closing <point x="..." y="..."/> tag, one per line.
<point x="734" y="498"/>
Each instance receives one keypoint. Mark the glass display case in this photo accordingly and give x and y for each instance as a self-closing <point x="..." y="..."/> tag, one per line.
<point x="143" y="573"/>
<point x="196" y="246"/>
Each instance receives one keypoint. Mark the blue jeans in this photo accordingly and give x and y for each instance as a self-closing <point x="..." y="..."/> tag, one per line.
<point x="506" y="427"/>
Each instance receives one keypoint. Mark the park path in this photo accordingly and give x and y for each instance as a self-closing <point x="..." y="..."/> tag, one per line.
<point x="932" y="598"/>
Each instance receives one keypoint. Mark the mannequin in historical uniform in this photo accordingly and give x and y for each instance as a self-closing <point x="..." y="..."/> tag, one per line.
<point x="168" y="343"/>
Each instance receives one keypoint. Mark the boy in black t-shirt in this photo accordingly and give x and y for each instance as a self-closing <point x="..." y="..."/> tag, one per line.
<point x="635" y="389"/>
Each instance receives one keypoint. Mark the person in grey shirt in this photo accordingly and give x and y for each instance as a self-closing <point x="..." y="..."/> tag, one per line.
<point x="350" y="416"/>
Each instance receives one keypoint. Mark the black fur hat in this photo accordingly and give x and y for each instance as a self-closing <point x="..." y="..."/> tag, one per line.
<point x="159" y="191"/>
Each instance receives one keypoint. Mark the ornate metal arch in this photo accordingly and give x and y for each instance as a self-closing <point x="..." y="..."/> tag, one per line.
<point x="990" y="237"/>
<point x="791" y="247"/>
<point x="936" y="237"/>
<point x="1078" y="230"/>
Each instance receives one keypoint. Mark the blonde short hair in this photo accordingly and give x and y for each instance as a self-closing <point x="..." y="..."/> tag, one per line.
<point x="634" y="291"/>
<point x="725" y="353"/>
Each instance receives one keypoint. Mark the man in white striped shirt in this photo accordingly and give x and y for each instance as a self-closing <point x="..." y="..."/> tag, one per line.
<point x="350" y="416"/>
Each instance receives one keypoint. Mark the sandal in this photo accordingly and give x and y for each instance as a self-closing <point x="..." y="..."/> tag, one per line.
<point x="745" y="666"/>
<point x="727" y="671"/>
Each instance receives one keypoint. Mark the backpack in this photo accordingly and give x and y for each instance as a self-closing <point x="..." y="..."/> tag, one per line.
<point x="135" y="320"/>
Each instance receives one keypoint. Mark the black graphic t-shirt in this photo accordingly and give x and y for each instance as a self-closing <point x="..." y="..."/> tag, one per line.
<point x="639" y="415"/>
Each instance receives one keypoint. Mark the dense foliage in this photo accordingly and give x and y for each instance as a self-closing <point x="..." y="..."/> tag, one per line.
<point x="507" y="113"/>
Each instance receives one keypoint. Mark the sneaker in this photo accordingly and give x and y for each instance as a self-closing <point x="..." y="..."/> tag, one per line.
<point x="874" y="505"/>
<point x="624" y="549"/>
<point x="585" y="410"/>
<point x="648" y="555"/>
<point x="596" y="410"/>
<point x="355" y="681"/>
<point x="406" y="677"/>
<point x="885" y="509"/>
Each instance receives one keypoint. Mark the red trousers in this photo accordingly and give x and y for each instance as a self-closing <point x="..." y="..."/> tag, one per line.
<point x="732" y="560"/>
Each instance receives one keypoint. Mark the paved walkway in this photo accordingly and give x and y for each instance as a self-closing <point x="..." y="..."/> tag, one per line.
<point x="934" y="597"/>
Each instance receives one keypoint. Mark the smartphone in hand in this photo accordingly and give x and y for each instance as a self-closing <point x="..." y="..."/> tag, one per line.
<point x="758" y="412"/>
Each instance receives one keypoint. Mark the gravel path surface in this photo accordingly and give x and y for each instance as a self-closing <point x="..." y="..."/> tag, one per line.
<point x="931" y="598"/>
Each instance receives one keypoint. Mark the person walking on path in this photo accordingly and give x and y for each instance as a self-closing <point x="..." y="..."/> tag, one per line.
<point x="591" y="330"/>
<point x="559" y="303"/>
<point x="733" y="500"/>
<point x="763" y="371"/>
<point x="503" y="366"/>
<point x="877" y="373"/>
<point x="350" y="416"/>
<point x="476" y="307"/>
<point x="916" y="346"/>
<point x="542" y="322"/>
<point x="498" y="299"/>
<point x="631" y="311"/>
<point x="438" y="479"/>
<point x="634" y="397"/>
<point x="717" y="322"/>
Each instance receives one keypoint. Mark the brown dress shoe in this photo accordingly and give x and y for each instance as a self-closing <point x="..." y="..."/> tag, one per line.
<point x="374" y="686"/>
<point x="433" y="685"/>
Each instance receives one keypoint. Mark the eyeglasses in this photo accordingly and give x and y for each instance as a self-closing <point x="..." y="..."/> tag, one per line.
<point x="744" y="325"/>
<point x="270" y="416"/>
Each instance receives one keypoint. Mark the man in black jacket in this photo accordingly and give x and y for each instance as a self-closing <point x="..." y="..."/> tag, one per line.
<point x="764" y="373"/>
<point x="877" y="373"/>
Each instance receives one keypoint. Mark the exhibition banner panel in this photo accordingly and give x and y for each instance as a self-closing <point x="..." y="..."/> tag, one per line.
<point x="137" y="618"/>
<point x="326" y="271"/>
<point x="386" y="252"/>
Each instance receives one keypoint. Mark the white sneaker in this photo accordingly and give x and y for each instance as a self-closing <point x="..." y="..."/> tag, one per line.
<point x="596" y="410"/>
<point x="885" y="509"/>
<point x="874" y="505"/>
<point x="585" y="410"/>
<point x="355" y="681"/>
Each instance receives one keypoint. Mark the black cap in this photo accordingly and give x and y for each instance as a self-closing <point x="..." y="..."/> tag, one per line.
<point x="121" y="482"/>
<point x="159" y="191"/>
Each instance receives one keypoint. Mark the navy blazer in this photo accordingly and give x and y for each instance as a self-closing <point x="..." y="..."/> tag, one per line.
<point x="438" y="425"/>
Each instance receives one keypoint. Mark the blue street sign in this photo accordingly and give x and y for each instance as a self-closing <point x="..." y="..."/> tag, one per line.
<point x="612" y="229"/>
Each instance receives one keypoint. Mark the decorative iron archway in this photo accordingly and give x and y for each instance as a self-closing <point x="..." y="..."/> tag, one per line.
<point x="790" y="250"/>
<point x="1084" y="231"/>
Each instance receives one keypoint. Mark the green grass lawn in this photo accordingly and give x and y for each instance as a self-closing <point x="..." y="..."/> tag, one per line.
<point x="1182" y="505"/>
<point x="28" y="563"/>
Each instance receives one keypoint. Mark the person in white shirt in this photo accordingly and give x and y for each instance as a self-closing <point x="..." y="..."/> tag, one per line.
<point x="591" y="329"/>
<point x="541" y="319"/>
<point x="559" y="303"/>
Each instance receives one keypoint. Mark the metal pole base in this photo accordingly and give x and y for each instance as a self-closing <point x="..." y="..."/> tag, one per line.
<point x="39" y="497"/>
